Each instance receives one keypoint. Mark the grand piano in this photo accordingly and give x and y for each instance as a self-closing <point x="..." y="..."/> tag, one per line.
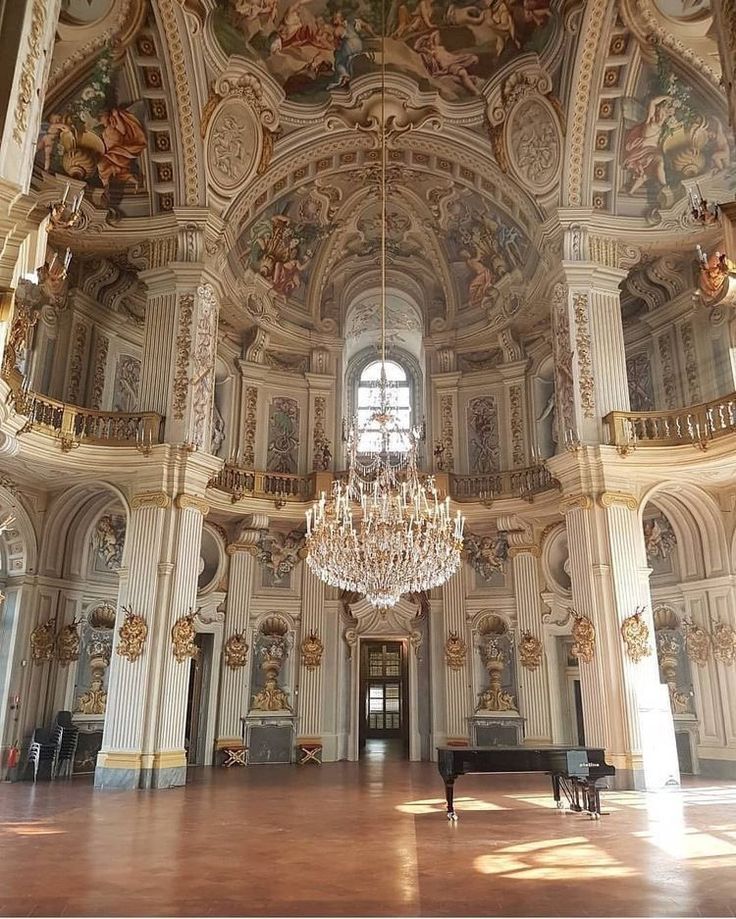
<point x="575" y="771"/>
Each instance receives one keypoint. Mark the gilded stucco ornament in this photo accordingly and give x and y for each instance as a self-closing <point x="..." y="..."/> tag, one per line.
<point x="182" y="637"/>
<point x="132" y="635"/>
<point x="724" y="642"/>
<point x="455" y="651"/>
<point x="530" y="651"/>
<point x="312" y="651"/>
<point x="67" y="644"/>
<point x="42" y="641"/>
<point x="583" y="633"/>
<point x="697" y="642"/>
<point x="635" y="633"/>
<point x="236" y="651"/>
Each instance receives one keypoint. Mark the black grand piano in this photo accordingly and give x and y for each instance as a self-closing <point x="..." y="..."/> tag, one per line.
<point x="575" y="771"/>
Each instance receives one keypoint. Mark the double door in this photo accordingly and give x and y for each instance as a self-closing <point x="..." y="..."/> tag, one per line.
<point x="384" y="712"/>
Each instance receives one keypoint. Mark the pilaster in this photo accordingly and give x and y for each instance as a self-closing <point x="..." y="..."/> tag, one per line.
<point x="457" y="680"/>
<point x="310" y="675"/>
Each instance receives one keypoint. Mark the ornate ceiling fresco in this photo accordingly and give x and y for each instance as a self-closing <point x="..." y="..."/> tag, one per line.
<point x="265" y="113"/>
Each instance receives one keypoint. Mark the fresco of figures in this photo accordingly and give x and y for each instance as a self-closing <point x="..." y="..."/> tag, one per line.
<point x="482" y="246"/>
<point x="282" y="242"/>
<point x="311" y="46"/>
<point x="95" y="137"/>
<point x="670" y="135"/>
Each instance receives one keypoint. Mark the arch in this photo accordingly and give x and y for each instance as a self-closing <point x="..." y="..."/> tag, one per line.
<point x="696" y="517"/>
<point x="25" y="529"/>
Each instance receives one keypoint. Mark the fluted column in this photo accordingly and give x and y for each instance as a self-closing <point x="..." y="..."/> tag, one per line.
<point x="310" y="675"/>
<point x="457" y="681"/>
<point x="534" y="686"/>
<point x="234" y="694"/>
<point x="625" y="707"/>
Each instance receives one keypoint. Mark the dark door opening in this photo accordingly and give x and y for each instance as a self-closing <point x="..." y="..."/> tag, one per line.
<point x="384" y="714"/>
<point x="579" y="726"/>
<point x="197" y="699"/>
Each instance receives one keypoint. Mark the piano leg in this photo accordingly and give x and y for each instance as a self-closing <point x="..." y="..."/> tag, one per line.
<point x="449" y="797"/>
<point x="556" y="789"/>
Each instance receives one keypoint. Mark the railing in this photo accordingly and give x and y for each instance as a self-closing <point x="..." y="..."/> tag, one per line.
<point x="521" y="483"/>
<point x="695" y="425"/>
<point x="74" y="425"/>
<point x="278" y="486"/>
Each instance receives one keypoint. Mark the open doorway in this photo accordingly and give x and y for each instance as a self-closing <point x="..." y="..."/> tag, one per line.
<point x="384" y="710"/>
<point x="198" y="700"/>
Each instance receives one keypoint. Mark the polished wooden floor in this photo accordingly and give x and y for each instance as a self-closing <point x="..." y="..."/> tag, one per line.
<point x="367" y="840"/>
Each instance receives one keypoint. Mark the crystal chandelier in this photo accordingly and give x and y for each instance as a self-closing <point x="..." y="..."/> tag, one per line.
<point x="383" y="533"/>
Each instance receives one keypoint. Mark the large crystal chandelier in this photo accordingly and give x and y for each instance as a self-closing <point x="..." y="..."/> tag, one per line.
<point x="384" y="532"/>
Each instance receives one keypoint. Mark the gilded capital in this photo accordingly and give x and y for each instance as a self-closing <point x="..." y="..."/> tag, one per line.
<point x="531" y="549"/>
<point x="609" y="498"/>
<point x="150" y="499"/>
<point x="183" y="501"/>
<point x="569" y="503"/>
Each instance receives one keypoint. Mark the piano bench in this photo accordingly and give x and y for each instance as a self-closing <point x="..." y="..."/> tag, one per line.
<point x="309" y="752"/>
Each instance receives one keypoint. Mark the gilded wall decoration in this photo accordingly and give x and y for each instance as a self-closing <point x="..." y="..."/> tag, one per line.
<point x="93" y="701"/>
<point x="724" y="642"/>
<point x="203" y="365"/>
<point x="452" y="49"/>
<point x="272" y="651"/>
<point x="96" y="138"/>
<point x="25" y="317"/>
<point x="455" y="651"/>
<point x="100" y="362"/>
<point x="659" y="539"/>
<point x="249" y="427"/>
<point x="312" y="651"/>
<point x="67" y="643"/>
<point x="108" y="541"/>
<point x="639" y="376"/>
<point x="236" y="651"/>
<point x="487" y="555"/>
<point x="583" y="633"/>
<point x="43" y="639"/>
<point x="127" y="384"/>
<point x="444" y="448"/>
<point x="183" y="346"/>
<point x="692" y="372"/>
<point x="635" y="633"/>
<point x="530" y="651"/>
<point x="283" y="436"/>
<point x="585" y="362"/>
<point x="495" y="657"/>
<point x="518" y="457"/>
<point x="697" y="642"/>
<point x="131" y="635"/>
<point x="182" y="637"/>
<point x="279" y="553"/>
<point x="669" y="644"/>
<point x="666" y="361"/>
<point x="484" y="447"/>
<point x="321" y="447"/>
<point x="76" y="364"/>
<point x="673" y="133"/>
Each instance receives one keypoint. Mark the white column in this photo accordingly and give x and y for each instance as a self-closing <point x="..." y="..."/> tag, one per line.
<point x="235" y="682"/>
<point x="457" y="682"/>
<point x="310" y="680"/>
<point x="534" y="689"/>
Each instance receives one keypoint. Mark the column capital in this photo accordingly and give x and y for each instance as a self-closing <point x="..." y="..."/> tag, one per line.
<point x="572" y="502"/>
<point x="184" y="500"/>
<point x="531" y="549"/>
<point x="150" y="499"/>
<point x="609" y="498"/>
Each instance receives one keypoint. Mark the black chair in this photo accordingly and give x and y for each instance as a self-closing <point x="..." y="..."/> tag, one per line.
<point x="67" y="743"/>
<point x="43" y="749"/>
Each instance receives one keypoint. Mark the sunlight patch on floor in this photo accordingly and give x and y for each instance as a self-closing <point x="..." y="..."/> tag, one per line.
<point x="30" y="829"/>
<point x="431" y="805"/>
<point x="570" y="858"/>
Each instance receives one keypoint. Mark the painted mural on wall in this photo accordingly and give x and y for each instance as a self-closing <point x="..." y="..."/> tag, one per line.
<point x="108" y="542"/>
<point x="282" y="243"/>
<point x="313" y="46"/>
<point x="670" y="135"/>
<point x="283" y="436"/>
<point x="483" y="246"/>
<point x="641" y="388"/>
<point x="484" y="451"/>
<point x="127" y="381"/>
<point x="96" y="137"/>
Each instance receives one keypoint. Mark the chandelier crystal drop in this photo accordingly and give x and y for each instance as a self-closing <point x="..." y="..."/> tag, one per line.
<point x="384" y="532"/>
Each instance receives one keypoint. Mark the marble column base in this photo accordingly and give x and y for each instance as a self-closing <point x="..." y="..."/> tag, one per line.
<point x="164" y="777"/>
<point x="117" y="779"/>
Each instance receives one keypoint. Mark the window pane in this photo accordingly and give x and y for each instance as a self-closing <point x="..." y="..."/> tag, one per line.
<point x="373" y="371"/>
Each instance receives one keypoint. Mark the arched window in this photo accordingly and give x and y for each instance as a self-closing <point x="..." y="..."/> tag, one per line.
<point x="368" y="401"/>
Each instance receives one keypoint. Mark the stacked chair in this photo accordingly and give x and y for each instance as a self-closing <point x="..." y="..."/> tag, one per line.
<point x="55" y="746"/>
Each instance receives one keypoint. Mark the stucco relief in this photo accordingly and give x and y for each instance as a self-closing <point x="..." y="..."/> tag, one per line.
<point x="484" y="449"/>
<point x="203" y="372"/>
<point x="233" y="144"/>
<point x="534" y="144"/>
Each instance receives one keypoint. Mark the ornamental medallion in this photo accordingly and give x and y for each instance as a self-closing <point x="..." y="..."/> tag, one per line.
<point x="530" y="651"/>
<point x="583" y="631"/>
<point x="236" y="651"/>
<point x="312" y="650"/>
<point x="635" y="633"/>
<point x="42" y="641"/>
<point x="132" y="634"/>
<point x="182" y="637"/>
<point x="455" y="651"/>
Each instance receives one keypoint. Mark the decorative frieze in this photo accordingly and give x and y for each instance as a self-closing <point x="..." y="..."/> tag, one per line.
<point x="76" y="366"/>
<point x="444" y="449"/>
<point x="666" y="360"/>
<point x="203" y="365"/>
<point x="585" y="363"/>
<point x="321" y="447"/>
<point x="183" y="347"/>
<point x="98" y="380"/>
<point x="691" y="361"/>
<point x="249" y="427"/>
<point x="564" y="378"/>
<point x="517" y="426"/>
<point x="28" y="83"/>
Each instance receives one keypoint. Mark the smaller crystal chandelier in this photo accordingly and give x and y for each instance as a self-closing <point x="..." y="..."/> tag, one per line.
<point x="384" y="533"/>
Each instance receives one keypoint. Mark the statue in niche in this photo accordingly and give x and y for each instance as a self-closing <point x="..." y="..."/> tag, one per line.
<point x="550" y="411"/>
<point x="487" y="554"/>
<point x="659" y="538"/>
<point x="108" y="540"/>
<point x="127" y="381"/>
<point x="217" y="435"/>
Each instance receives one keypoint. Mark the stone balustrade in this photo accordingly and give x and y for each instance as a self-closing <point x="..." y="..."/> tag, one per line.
<point x="695" y="425"/>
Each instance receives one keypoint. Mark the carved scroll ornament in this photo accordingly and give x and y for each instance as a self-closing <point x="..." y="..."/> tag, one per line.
<point x="182" y="637"/>
<point x="724" y="643"/>
<point x="132" y="634"/>
<point x="635" y="633"/>
<point x="236" y="651"/>
<point x="42" y="641"/>
<point x="583" y="631"/>
<point x="530" y="651"/>
<point x="67" y="644"/>
<point x="455" y="651"/>
<point x="697" y="642"/>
